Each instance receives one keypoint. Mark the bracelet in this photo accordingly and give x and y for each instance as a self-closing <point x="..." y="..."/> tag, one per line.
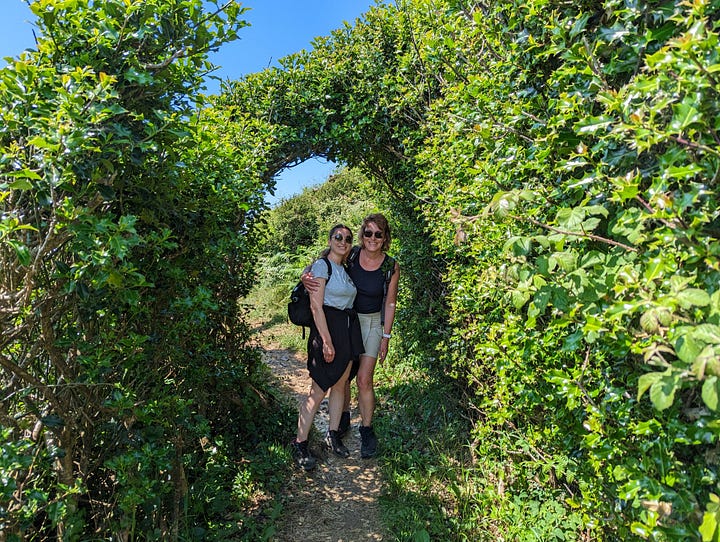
<point x="387" y="335"/>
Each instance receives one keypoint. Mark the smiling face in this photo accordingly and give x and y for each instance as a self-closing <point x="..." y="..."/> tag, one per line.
<point x="373" y="237"/>
<point x="340" y="241"/>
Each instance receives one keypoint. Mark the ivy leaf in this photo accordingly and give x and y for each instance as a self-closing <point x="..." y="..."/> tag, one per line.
<point x="519" y="298"/>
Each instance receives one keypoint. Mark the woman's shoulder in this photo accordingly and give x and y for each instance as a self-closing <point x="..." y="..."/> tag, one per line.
<point x="321" y="268"/>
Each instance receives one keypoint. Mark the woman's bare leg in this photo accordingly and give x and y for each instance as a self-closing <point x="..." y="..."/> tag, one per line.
<point x="308" y="409"/>
<point x="366" y="390"/>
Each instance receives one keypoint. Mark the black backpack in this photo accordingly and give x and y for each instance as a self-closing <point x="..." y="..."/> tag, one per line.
<point x="299" y="311"/>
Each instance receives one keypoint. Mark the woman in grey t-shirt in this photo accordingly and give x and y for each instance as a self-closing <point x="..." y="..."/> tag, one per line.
<point x="335" y="341"/>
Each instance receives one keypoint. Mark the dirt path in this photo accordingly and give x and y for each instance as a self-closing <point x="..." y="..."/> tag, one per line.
<point x="338" y="501"/>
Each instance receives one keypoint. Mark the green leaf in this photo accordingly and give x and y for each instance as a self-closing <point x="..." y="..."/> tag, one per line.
<point x="42" y="143"/>
<point x="21" y="251"/>
<point x="628" y="191"/>
<point x="709" y="527"/>
<point x="684" y="114"/>
<point x="693" y="297"/>
<point x="25" y="174"/>
<point x="708" y="333"/>
<point x="519" y="298"/>
<point x="649" y="321"/>
<point x="655" y="268"/>
<point x="711" y="392"/>
<point x="687" y="348"/>
<point x="579" y="25"/>
<point x="592" y="125"/>
<point x="662" y="392"/>
<point x="686" y="171"/>
<point x="567" y="261"/>
<point x="590" y="224"/>
<point x="570" y="219"/>
<point x="647" y="380"/>
<point x="20" y="184"/>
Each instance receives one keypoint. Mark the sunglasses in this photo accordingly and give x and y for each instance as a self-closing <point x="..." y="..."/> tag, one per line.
<point x="378" y="234"/>
<point x="339" y="237"/>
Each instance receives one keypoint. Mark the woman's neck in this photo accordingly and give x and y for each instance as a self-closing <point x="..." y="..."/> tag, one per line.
<point x="373" y="255"/>
<point x="334" y="257"/>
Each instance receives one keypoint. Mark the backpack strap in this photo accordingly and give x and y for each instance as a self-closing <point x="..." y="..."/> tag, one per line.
<point x="329" y="268"/>
<point x="354" y="253"/>
<point x="388" y="267"/>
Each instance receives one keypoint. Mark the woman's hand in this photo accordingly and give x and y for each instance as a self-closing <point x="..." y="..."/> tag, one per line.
<point x="383" y="350"/>
<point x="328" y="352"/>
<point x="310" y="282"/>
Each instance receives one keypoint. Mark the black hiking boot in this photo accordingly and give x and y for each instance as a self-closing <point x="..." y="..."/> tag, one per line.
<point x="332" y="439"/>
<point x="302" y="456"/>
<point x="344" y="424"/>
<point x="368" y="442"/>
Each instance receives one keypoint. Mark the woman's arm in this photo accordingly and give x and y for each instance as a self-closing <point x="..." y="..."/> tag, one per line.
<point x="389" y="316"/>
<point x="309" y="281"/>
<point x="316" y="306"/>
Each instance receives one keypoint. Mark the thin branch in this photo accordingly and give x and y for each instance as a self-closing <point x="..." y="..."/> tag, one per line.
<point x="691" y="144"/>
<point x="576" y="234"/>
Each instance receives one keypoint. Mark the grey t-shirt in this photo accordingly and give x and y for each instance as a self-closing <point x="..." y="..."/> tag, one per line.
<point x="339" y="290"/>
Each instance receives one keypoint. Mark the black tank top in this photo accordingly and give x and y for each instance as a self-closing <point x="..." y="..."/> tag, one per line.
<point x="370" y="287"/>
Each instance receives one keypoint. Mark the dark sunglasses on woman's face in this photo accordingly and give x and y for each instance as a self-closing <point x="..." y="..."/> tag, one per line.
<point x="339" y="237"/>
<point x="378" y="234"/>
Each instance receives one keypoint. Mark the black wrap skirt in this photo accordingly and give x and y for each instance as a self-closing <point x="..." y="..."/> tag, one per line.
<point x="344" y="328"/>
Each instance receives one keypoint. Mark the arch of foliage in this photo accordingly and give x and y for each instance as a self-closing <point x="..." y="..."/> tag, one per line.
<point x="555" y="166"/>
<point x="551" y="168"/>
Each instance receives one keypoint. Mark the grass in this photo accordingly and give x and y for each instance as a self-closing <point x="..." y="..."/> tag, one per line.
<point x="422" y="433"/>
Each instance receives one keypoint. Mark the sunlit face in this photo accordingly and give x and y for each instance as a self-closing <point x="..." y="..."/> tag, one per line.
<point x="341" y="241"/>
<point x="373" y="237"/>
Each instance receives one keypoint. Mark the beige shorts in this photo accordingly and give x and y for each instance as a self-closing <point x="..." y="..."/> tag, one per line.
<point x="371" y="333"/>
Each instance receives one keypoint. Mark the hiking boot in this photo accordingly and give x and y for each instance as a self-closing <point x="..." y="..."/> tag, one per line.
<point x="344" y="424"/>
<point x="332" y="439"/>
<point x="302" y="456"/>
<point x="368" y="442"/>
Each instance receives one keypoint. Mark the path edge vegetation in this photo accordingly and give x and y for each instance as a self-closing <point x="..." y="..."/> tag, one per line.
<point x="551" y="169"/>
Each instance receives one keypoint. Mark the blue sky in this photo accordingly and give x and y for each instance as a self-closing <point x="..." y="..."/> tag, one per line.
<point x="278" y="28"/>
